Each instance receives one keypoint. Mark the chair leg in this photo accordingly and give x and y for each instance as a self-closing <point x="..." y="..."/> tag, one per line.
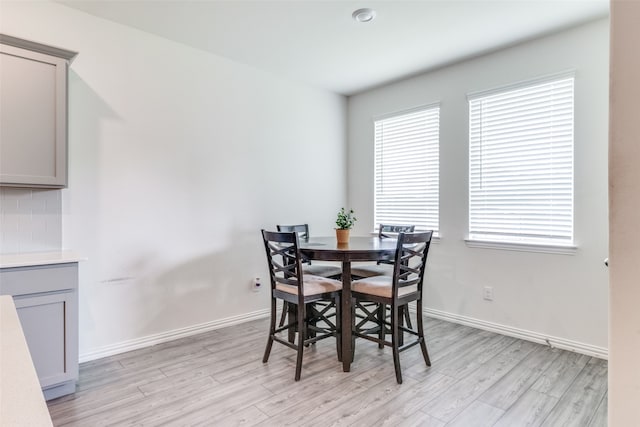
<point x="353" y="327"/>
<point x="283" y="316"/>
<point x="382" y="311"/>
<point x="272" y="329"/>
<point x="394" y="343"/>
<point x="407" y="318"/>
<point x="292" y="313"/>
<point x="400" y="320"/>
<point x="311" y="314"/>
<point x="302" y="333"/>
<point x="423" y="343"/>
<point x="338" y="329"/>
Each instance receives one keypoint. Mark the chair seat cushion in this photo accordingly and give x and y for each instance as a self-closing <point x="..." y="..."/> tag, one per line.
<point x="380" y="286"/>
<point x="368" y="270"/>
<point x="313" y="285"/>
<point x="324" y="270"/>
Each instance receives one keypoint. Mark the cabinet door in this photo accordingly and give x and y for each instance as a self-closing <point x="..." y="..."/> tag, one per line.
<point x="33" y="118"/>
<point x="46" y="320"/>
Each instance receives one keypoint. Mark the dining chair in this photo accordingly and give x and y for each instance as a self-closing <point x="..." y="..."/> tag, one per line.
<point x="290" y="284"/>
<point x="324" y="270"/>
<point x="397" y="291"/>
<point x="381" y="268"/>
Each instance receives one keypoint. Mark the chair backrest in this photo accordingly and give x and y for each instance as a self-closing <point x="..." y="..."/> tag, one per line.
<point x="388" y="230"/>
<point x="411" y="260"/>
<point x="301" y="229"/>
<point x="283" y="258"/>
<point x="303" y="234"/>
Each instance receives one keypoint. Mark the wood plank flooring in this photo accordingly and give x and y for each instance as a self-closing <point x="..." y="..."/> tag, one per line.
<point x="477" y="378"/>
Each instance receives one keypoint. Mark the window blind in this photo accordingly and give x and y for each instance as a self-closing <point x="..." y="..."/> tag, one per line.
<point x="521" y="164"/>
<point x="407" y="169"/>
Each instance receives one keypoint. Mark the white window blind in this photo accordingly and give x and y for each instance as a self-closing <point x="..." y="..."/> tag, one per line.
<point x="521" y="164"/>
<point x="407" y="169"/>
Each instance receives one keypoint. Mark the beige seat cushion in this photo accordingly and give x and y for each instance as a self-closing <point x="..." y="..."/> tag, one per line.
<point x="313" y="285"/>
<point x="380" y="286"/>
<point x="368" y="270"/>
<point x="324" y="270"/>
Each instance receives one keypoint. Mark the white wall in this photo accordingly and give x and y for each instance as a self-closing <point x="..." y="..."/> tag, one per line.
<point x="564" y="297"/>
<point x="177" y="159"/>
<point x="624" y="178"/>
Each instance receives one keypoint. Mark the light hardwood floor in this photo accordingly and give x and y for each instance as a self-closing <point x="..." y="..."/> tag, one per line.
<point x="477" y="378"/>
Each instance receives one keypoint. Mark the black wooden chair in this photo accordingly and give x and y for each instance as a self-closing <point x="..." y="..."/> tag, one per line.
<point x="397" y="291"/>
<point x="381" y="268"/>
<point x="323" y="270"/>
<point x="290" y="284"/>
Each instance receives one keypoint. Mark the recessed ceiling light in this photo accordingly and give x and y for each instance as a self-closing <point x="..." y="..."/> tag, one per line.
<point x="364" y="15"/>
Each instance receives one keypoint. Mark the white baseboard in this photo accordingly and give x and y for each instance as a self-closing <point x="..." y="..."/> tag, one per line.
<point x="135" y="344"/>
<point x="562" y="343"/>
<point x="149" y="340"/>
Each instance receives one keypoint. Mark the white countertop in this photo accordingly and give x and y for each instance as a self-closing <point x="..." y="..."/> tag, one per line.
<point x="22" y="402"/>
<point x="38" y="258"/>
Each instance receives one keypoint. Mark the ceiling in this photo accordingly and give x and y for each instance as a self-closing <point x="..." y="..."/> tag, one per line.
<point x="318" y="43"/>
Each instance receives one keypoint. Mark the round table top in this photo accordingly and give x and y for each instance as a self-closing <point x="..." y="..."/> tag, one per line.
<point x="359" y="248"/>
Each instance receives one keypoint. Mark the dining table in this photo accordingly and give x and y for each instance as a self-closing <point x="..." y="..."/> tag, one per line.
<point x="358" y="249"/>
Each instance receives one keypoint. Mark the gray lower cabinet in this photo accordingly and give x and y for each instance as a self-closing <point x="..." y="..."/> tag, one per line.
<point x="46" y="298"/>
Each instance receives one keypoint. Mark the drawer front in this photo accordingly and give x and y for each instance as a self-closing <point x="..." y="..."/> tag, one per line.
<point x="37" y="279"/>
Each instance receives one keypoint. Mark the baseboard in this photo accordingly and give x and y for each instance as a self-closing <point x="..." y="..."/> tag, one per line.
<point x="59" y="390"/>
<point x="149" y="340"/>
<point x="562" y="343"/>
<point x="135" y="344"/>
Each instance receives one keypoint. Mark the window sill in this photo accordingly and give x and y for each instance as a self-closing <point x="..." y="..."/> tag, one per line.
<point x="522" y="247"/>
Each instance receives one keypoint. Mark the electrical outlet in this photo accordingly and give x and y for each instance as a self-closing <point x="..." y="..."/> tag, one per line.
<point x="487" y="293"/>
<point x="256" y="284"/>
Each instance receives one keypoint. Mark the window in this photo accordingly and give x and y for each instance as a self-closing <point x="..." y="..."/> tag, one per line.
<point x="521" y="164"/>
<point x="407" y="168"/>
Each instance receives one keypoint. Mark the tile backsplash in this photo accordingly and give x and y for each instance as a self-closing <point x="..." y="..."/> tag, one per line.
<point x="30" y="220"/>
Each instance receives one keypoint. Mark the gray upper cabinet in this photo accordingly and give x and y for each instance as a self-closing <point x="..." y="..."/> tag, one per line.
<point x="33" y="114"/>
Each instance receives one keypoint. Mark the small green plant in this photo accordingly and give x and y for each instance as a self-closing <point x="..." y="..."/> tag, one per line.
<point x="345" y="219"/>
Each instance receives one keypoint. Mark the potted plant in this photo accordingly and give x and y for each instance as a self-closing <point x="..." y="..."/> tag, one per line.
<point x="344" y="222"/>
